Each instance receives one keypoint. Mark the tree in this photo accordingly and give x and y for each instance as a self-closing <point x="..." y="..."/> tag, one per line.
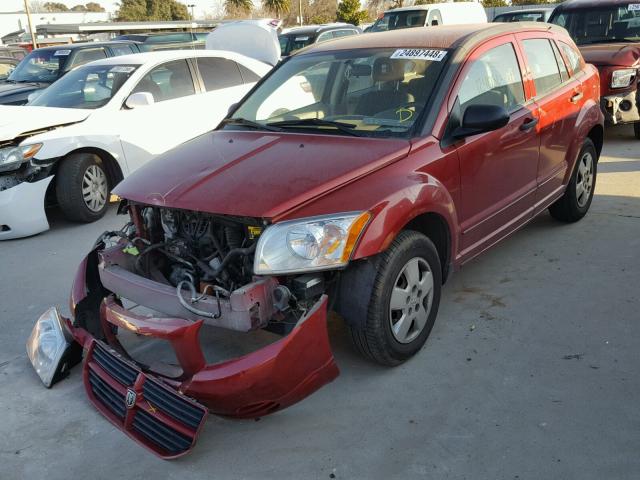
<point x="494" y="3"/>
<point x="349" y="12"/>
<point x="278" y="7"/>
<point x="94" y="7"/>
<point x="238" y="8"/>
<point x="154" y="10"/>
<point x="55" y="7"/>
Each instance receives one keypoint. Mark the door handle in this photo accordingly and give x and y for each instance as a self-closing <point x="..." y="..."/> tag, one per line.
<point x="529" y="124"/>
<point x="577" y="96"/>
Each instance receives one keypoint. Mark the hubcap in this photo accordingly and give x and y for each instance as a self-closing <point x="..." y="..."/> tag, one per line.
<point x="584" y="179"/>
<point x="411" y="300"/>
<point x="94" y="188"/>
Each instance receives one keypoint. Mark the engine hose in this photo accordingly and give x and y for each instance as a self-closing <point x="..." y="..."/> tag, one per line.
<point x="230" y="256"/>
<point x="192" y="289"/>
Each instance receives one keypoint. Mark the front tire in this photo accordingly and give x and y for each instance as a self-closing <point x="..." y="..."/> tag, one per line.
<point x="405" y="288"/>
<point x="82" y="188"/>
<point x="575" y="202"/>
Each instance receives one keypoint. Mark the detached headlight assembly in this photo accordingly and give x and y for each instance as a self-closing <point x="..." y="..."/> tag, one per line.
<point x="623" y="78"/>
<point x="51" y="349"/>
<point x="12" y="157"/>
<point x="318" y="243"/>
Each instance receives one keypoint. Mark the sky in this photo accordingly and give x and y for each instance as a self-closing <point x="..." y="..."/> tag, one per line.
<point x="201" y="6"/>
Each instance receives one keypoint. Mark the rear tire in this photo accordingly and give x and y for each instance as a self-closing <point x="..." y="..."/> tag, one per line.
<point x="82" y="188"/>
<point x="636" y="130"/>
<point x="404" y="298"/>
<point x="575" y="202"/>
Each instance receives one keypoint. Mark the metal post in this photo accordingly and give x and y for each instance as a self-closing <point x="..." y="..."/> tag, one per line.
<point x="33" y="33"/>
<point x="300" y="11"/>
<point x="192" y="6"/>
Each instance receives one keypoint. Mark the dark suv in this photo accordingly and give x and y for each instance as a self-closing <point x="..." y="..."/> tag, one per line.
<point x="608" y="35"/>
<point x="45" y="65"/>
<point x="301" y="37"/>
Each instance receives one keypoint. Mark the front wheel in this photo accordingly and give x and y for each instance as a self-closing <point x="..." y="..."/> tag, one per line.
<point x="575" y="202"/>
<point x="405" y="287"/>
<point x="82" y="188"/>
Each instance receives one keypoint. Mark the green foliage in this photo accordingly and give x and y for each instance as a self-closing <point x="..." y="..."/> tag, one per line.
<point x="94" y="7"/>
<point x="238" y="8"/>
<point x="154" y="10"/>
<point x="494" y="3"/>
<point x="349" y="12"/>
<point x="277" y="7"/>
<point x="55" y="7"/>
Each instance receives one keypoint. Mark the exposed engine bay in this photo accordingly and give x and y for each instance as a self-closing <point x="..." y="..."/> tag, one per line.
<point x="200" y="266"/>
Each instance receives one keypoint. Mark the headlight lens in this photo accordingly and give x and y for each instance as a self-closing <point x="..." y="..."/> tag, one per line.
<point x="12" y="157"/>
<point x="623" y="78"/>
<point x="46" y="346"/>
<point x="318" y="243"/>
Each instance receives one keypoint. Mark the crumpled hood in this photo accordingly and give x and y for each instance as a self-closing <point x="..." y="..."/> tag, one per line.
<point x="256" y="174"/>
<point x="612" y="54"/>
<point x="16" y="120"/>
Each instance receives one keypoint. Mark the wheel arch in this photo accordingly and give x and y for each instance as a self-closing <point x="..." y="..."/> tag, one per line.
<point x="435" y="227"/>
<point x="596" y="134"/>
<point x="112" y="167"/>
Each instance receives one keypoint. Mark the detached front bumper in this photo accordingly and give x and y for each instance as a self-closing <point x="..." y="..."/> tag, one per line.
<point x="22" y="209"/>
<point x="157" y="411"/>
<point x="621" y="108"/>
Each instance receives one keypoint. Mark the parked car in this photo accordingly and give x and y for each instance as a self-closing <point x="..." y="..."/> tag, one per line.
<point x="296" y="38"/>
<point x="608" y="35"/>
<point x="417" y="151"/>
<point x="167" y="40"/>
<point x="13" y="52"/>
<point x="97" y="124"/>
<point x="525" y="15"/>
<point x="43" y="66"/>
<point x="429" y="16"/>
<point x="7" y="65"/>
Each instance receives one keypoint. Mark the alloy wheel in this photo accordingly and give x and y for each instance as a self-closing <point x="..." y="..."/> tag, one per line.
<point x="411" y="300"/>
<point x="584" y="179"/>
<point x="94" y="188"/>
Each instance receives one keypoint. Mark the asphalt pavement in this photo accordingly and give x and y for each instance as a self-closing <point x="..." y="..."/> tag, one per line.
<point x="531" y="371"/>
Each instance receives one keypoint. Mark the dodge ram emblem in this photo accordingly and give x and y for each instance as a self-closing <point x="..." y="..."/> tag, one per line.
<point x="130" y="399"/>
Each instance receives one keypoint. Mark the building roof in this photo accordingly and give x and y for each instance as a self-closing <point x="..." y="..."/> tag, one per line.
<point x="109" y="27"/>
<point x="442" y="36"/>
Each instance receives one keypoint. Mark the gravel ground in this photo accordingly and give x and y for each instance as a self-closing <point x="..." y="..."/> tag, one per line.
<point x="530" y="372"/>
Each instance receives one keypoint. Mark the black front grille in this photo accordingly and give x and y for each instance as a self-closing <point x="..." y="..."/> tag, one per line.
<point x="162" y="435"/>
<point x="106" y="395"/>
<point x="171" y="404"/>
<point x="123" y="373"/>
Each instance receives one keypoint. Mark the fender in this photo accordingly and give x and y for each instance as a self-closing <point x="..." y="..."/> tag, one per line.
<point x="392" y="214"/>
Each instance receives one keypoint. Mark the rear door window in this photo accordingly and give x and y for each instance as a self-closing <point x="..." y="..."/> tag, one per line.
<point x="218" y="73"/>
<point x="118" y="50"/>
<point x="542" y="64"/>
<point x="494" y="79"/>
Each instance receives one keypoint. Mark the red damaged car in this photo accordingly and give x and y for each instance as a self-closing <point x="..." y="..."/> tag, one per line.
<point x="355" y="177"/>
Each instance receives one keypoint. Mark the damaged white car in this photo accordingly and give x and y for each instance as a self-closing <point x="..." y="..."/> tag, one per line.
<point x="74" y="142"/>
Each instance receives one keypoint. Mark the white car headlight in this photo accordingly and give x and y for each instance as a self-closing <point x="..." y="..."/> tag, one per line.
<point x="318" y="243"/>
<point x="12" y="157"/>
<point x="50" y="349"/>
<point x="623" y="78"/>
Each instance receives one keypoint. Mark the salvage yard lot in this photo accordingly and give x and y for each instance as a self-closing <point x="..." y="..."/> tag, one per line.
<point x="530" y="372"/>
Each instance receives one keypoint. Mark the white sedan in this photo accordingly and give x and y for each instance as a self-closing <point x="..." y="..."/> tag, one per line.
<point x="102" y="121"/>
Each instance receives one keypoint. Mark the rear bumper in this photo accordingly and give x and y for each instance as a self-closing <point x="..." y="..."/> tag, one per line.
<point x="621" y="108"/>
<point x="253" y="385"/>
<point x="22" y="209"/>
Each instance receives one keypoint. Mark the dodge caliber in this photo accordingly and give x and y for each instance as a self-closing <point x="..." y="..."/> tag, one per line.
<point x="355" y="177"/>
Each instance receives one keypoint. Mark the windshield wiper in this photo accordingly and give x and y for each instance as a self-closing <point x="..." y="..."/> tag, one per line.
<point x="347" y="128"/>
<point x="249" y="123"/>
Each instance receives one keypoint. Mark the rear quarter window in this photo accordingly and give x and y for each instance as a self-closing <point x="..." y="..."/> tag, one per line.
<point x="572" y="56"/>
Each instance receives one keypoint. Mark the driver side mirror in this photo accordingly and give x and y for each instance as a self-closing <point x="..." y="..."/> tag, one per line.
<point x="139" y="99"/>
<point x="480" y="119"/>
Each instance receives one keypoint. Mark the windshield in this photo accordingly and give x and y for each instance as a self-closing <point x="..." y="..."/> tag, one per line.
<point x="40" y="66"/>
<point x="372" y="92"/>
<point x="401" y="19"/>
<point x="520" y="17"/>
<point x="90" y="87"/>
<point x="603" y="24"/>
<point x="291" y="43"/>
